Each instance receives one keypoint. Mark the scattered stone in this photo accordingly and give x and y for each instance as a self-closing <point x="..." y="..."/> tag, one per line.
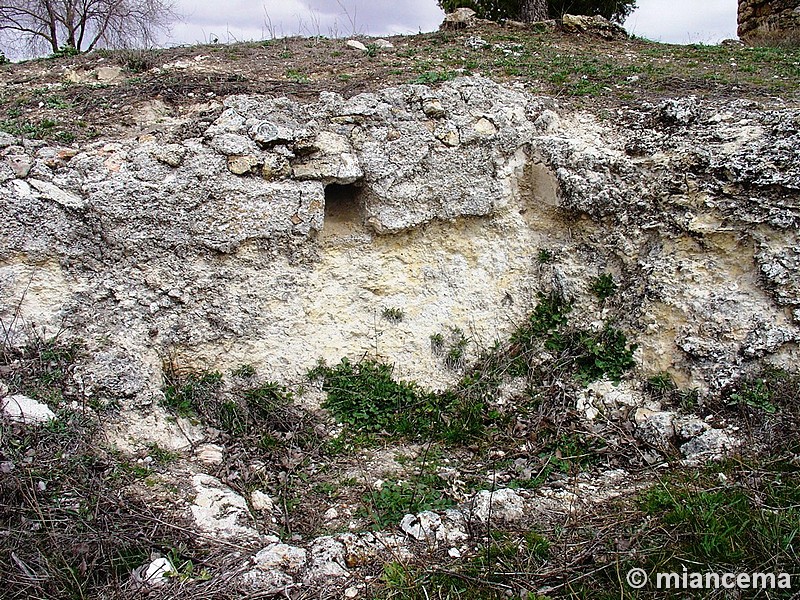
<point x="108" y="74"/>
<point x="454" y="553"/>
<point x="275" y="167"/>
<point x="284" y="557"/>
<point x="547" y="122"/>
<point x="261" y="501"/>
<point x="170" y="154"/>
<point x="503" y="505"/>
<point x="327" y="559"/>
<point x="153" y="575"/>
<point x="351" y="592"/>
<point x="342" y="170"/>
<point x="454" y="527"/>
<point x="690" y="427"/>
<point x="20" y="164"/>
<point x="731" y="43"/>
<point x="242" y="165"/>
<point x="383" y="44"/>
<point x="655" y="428"/>
<point x="461" y="18"/>
<point x="476" y="42"/>
<point x="424" y="526"/>
<point x="269" y="133"/>
<point x="433" y="108"/>
<point x="713" y="445"/>
<point x="57" y="195"/>
<point x="447" y="133"/>
<point x="547" y="26"/>
<point x="485" y="127"/>
<point x="596" y="25"/>
<point x="233" y="144"/>
<point x="22" y="409"/>
<point x="219" y="510"/>
<point x="6" y="140"/>
<point x="682" y="111"/>
<point x="331" y="514"/>
<point x="355" y="44"/>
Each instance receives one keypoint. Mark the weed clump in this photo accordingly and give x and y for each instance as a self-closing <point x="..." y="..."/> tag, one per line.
<point x="769" y="391"/>
<point x="726" y="527"/>
<point x="603" y="286"/>
<point x="187" y="394"/>
<point x="393" y="314"/>
<point x="43" y="370"/>
<point x="258" y="417"/>
<point x="366" y="397"/>
<point x="72" y="527"/>
<point x="389" y="504"/>
<point x="588" y="355"/>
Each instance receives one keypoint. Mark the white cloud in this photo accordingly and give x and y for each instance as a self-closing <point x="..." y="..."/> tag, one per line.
<point x="684" y="21"/>
<point x="247" y="20"/>
<point x="674" y="21"/>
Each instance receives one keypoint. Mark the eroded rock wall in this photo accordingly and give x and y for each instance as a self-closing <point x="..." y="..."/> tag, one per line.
<point x="768" y="18"/>
<point x="277" y="233"/>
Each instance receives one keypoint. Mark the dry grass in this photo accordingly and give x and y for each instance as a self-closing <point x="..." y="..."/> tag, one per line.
<point x="581" y="71"/>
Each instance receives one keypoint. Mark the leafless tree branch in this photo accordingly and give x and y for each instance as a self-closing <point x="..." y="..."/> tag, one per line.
<point x="84" y="24"/>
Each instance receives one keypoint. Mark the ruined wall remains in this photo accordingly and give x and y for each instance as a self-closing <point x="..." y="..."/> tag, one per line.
<point x="768" y="19"/>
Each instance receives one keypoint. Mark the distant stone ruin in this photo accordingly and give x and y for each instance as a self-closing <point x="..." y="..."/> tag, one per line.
<point x="769" y="20"/>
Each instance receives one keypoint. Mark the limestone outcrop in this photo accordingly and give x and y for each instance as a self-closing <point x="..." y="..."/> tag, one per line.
<point x="277" y="234"/>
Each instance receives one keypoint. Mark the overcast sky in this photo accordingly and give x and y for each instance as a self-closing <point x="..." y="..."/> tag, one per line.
<point x="675" y="21"/>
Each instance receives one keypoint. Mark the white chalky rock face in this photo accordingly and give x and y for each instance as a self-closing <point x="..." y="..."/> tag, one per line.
<point x="22" y="409"/>
<point x="219" y="510"/>
<point x="275" y="235"/>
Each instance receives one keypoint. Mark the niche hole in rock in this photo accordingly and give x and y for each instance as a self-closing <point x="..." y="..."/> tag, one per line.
<point x="343" y="209"/>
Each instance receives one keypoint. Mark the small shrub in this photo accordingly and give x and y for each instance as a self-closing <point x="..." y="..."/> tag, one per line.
<point x="768" y="391"/>
<point x="544" y="256"/>
<point x="392" y="314"/>
<point x="456" y="355"/>
<point x="42" y="370"/>
<point x="65" y="51"/>
<point x="603" y="287"/>
<point x="161" y="455"/>
<point x="430" y="77"/>
<point x="712" y="525"/>
<point x="660" y="384"/>
<point x="136" y="60"/>
<point x="297" y="76"/>
<point x="188" y="394"/>
<point x="4" y="59"/>
<point x="245" y="371"/>
<point x="437" y="344"/>
<point x="603" y="354"/>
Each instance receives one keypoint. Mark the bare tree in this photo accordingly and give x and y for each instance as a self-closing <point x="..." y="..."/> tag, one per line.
<point x="534" y="10"/>
<point x="84" y="24"/>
